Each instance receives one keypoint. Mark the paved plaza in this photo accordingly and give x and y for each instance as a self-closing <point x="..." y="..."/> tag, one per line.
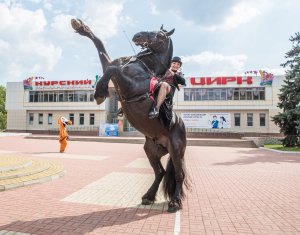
<point x="234" y="191"/>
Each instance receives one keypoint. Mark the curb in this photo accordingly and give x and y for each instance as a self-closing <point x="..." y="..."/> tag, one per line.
<point x="279" y="151"/>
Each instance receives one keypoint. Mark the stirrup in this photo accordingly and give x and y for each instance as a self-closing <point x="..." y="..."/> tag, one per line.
<point x="154" y="113"/>
<point x="120" y="112"/>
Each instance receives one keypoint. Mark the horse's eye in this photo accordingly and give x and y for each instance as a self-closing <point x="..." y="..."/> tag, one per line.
<point x="161" y="34"/>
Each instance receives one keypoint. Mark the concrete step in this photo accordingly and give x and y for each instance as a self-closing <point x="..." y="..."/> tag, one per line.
<point x="36" y="167"/>
<point x="236" y="143"/>
<point x="10" y="162"/>
<point x="40" y="170"/>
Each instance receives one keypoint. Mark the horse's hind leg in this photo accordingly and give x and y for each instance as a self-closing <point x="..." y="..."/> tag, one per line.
<point x="154" y="153"/>
<point x="176" y="199"/>
<point x="175" y="176"/>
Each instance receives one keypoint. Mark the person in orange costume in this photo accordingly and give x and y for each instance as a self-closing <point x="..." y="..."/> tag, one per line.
<point x="63" y="135"/>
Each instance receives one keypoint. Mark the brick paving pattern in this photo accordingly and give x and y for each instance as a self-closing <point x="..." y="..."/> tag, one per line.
<point x="234" y="191"/>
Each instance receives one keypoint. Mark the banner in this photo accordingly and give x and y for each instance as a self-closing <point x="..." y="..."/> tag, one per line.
<point x="206" y="120"/>
<point x="108" y="129"/>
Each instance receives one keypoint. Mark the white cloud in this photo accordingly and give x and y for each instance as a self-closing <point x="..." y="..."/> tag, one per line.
<point x="34" y="1"/>
<point x="61" y="28"/>
<point x="217" y="63"/>
<point x="4" y="46"/>
<point x="13" y="70"/>
<point x="48" y="53"/>
<point x="103" y="17"/>
<point x="153" y="9"/>
<point x="275" y="71"/>
<point x="241" y="13"/>
<point x="47" y="5"/>
<point x="21" y="21"/>
<point x="24" y="44"/>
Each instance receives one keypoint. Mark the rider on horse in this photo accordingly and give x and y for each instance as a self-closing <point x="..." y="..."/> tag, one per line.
<point x="165" y="86"/>
<point x="161" y="88"/>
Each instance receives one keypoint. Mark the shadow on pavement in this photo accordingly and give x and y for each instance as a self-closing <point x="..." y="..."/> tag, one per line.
<point x="82" y="224"/>
<point x="262" y="156"/>
<point x="37" y="153"/>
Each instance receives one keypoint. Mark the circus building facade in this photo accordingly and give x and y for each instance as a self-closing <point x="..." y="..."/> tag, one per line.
<point x="225" y="104"/>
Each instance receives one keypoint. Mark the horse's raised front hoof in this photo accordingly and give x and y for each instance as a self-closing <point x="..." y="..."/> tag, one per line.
<point x="76" y="24"/>
<point x="81" y="28"/>
<point x="173" y="207"/>
<point x="146" y="201"/>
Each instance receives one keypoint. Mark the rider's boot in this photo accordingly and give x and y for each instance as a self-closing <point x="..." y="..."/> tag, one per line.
<point x="154" y="113"/>
<point x="120" y="112"/>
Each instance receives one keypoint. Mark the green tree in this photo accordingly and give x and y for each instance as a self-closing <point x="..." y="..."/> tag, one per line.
<point x="2" y="108"/>
<point x="289" y="97"/>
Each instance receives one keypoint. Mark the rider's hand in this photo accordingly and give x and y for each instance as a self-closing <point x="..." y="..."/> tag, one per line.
<point x="169" y="73"/>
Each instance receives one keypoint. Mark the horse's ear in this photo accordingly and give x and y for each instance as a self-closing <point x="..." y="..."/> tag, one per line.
<point x="162" y="27"/>
<point x="170" y="32"/>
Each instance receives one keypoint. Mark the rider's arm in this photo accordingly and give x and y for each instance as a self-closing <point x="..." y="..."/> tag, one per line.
<point x="179" y="79"/>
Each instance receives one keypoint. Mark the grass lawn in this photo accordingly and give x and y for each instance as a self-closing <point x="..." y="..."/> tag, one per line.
<point x="280" y="147"/>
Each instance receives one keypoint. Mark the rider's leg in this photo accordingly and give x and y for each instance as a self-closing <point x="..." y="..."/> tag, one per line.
<point x="164" y="90"/>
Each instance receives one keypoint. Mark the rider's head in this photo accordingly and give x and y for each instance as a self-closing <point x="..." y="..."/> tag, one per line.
<point x="176" y="63"/>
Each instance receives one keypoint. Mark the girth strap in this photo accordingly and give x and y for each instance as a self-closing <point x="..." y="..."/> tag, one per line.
<point x="134" y="98"/>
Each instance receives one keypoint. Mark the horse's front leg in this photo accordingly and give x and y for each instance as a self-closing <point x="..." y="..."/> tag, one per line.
<point x="154" y="153"/>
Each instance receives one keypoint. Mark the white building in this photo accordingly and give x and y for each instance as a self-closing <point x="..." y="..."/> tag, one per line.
<point x="207" y="104"/>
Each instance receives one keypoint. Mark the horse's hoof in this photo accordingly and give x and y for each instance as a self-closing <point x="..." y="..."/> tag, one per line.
<point x="173" y="207"/>
<point x="146" y="201"/>
<point x="75" y="24"/>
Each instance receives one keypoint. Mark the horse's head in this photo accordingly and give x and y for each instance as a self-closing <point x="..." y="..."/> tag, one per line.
<point x="153" y="40"/>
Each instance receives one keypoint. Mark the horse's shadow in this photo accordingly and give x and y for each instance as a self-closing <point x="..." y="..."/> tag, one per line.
<point x="82" y="224"/>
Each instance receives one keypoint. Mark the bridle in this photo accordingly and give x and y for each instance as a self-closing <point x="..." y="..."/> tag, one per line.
<point x="159" y="41"/>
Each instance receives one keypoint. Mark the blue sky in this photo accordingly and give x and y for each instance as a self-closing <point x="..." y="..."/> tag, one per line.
<point x="212" y="37"/>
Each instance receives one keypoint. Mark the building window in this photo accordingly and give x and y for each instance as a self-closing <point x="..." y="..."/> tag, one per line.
<point x="242" y="94"/>
<point x="92" y="119"/>
<point x="249" y="94"/>
<point x="71" y="117"/>
<point x="82" y="96"/>
<point x="262" y="119"/>
<point x="236" y="94"/>
<point x="81" y="119"/>
<point x="50" y="115"/>
<point x="237" y="119"/>
<point x="36" y="97"/>
<point x="51" y="97"/>
<point x="40" y="119"/>
<point x="249" y="119"/>
<point x="61" y="96"/>
<point x="31" y="118"/>
<point x="91" y="96"/>
<point x="70" y="97"/>
<point x="46" y="97"/>
<point x="203" y="94"/>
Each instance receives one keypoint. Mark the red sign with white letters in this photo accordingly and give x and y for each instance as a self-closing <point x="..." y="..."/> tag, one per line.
<point x="69" y="84"/>
<point x="220" y="80"/>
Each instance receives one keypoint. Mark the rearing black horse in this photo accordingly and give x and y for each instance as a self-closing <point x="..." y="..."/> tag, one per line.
<point x="131" y="78"/>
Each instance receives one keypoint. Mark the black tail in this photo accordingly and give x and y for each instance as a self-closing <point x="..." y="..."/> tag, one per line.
<point x="169" y="183"/>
